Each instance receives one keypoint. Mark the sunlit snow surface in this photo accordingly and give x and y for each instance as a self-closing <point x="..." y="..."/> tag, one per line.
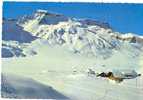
<point x="54" y="66"/>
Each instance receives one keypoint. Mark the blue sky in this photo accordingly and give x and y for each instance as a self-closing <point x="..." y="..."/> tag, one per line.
<point x="121" y="17"/>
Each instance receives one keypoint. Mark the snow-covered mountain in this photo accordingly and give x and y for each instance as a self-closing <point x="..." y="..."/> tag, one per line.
<point x="55" y="50"/>
<point x="84" y="36"/>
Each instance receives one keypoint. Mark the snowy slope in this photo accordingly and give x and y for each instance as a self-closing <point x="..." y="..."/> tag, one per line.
<point x="16" y="49"/>
<point x="22" y="88"/>
<point x="57" y="70"/>
<point x="59" y="50"/>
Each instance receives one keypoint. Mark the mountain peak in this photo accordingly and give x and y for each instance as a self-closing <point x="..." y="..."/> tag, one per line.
<point x="48" y="13"/>
<point x="41" y="11"/>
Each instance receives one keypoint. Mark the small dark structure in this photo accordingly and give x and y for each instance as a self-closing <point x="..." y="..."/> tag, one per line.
<point x="91" y="72"/>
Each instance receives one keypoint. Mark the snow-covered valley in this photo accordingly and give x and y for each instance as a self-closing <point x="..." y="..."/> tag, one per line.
<point x="58" y="54"/>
